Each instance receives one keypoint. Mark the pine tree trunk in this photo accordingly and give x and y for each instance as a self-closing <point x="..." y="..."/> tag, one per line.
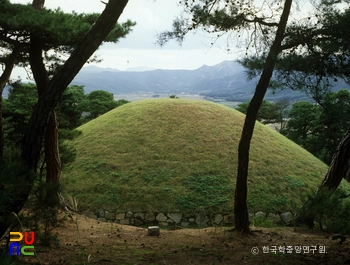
<point x="340" y="165"/>
<point x="2" y="136"/>
<point x="338" y="169"/>
<point x="51" y="151"/>
<point x="53" y="163"/>
<point x="240" y="206"/>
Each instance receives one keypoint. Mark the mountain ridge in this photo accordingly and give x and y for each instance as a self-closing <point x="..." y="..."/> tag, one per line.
<point x="226" y="80"/>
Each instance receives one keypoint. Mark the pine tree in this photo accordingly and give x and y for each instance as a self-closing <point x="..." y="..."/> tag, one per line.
<point x="263" y="29"/>
<point x="52" y="30"/>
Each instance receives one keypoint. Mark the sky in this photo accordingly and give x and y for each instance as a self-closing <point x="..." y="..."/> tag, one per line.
<point x="138" y="49"/>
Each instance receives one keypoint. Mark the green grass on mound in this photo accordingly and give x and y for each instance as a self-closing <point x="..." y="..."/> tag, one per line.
<point x="177" y="155"/>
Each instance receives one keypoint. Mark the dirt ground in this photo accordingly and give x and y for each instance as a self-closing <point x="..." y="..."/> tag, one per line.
<point x="94" y="242"/>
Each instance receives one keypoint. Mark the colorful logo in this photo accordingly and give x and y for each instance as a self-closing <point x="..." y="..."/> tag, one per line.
<point x="15" y="247"/>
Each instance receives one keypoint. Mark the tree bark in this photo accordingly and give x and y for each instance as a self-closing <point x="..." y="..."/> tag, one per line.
<point x="340" y="165"/>
<point x="51" y="150"/>
<point x="240" y="205"/>
<point x="47" y="102"/>
<point x="53" y="164"/>
<point x="4" y="78"/>
<point x="338" y="169"/>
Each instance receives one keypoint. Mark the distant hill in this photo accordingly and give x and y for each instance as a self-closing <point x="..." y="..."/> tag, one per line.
<point x="226" y="80"/>
<point x="157" y="81"/>
<point x="177" y="155"/>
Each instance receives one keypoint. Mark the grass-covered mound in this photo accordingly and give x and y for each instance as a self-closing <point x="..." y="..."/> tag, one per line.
<point x="176" y="155"/>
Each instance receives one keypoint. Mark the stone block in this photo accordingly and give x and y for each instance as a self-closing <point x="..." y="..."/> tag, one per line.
<point x="125" y="221"/>
<point x="162" y="223"/>
<point x="149" y="217"/>
<point x="139" y="216"/>
<point x="201" y="218"/>
<point x="120" y="216"/>
<point x="218" y="218"/>
<point x="260" y="214"/>
<point x="153" y="231"/>
<point x="274" y="217"/>
<point x="229" y="219"/>
<point x="100" y="213"/>
<point x="102" y="219"/>
<point x="110" y="216"/>
<point x="251" y="217"/>
<point x="271" y="216"/>
<point x="176" y="217"/>
<point x="161" y="217"/>
<point x="89" y="214"/>
<point x="128" y="214"/>
<point x="191" y="220"/>
<point x="286" y="218"/>
<point x="136" y="221"/>
<point x="185" y="224"/>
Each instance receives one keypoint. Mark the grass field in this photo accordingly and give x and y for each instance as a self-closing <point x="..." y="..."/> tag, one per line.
<point x="177" y="154"/>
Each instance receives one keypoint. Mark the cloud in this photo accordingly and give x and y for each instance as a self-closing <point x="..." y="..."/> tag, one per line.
<point x="123" y="58"/>
<point x="139" y="48"/>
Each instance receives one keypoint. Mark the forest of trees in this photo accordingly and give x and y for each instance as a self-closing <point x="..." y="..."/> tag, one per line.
<point x="73" y="109"/>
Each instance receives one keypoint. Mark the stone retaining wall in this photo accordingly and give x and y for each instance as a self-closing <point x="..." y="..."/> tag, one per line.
<point x="200" y="219"/>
